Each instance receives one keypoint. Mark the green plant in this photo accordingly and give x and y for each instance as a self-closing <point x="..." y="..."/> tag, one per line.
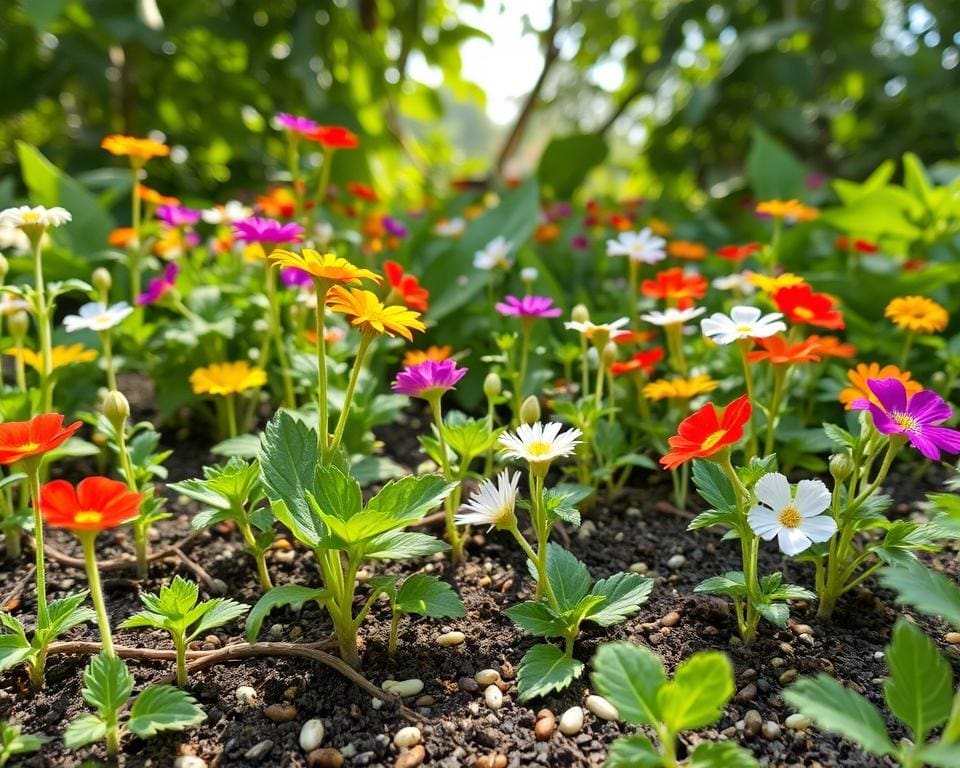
<point x="633" y="679"/>
<point x="107" y="686"/>
<point x="177" y="611"/>
<point x="417" y="594"/>
<point x="13" y="742"/>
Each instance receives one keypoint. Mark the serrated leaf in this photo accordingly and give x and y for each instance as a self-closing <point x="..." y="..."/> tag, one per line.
<point x="757" y="468"/>
<point x="721" y="754"/>
<point x="727" y="517"/>
<point x="545" y="668"/>
<point x="731" y="583"/>
<point x="624" y="593"/>
<point x="288" y="594"/>
<point x="107" y="684"/>
<point x="428" y="596"/>
<point x="66" y="613"/>
<point x="568" y="577"/>
<point x="926" y="590"/>
<point x="163" y="708"/>
<point x="633" y="752"/>
<point x="839" y="436"/>
<point x="536" y="618"/>
<point x="402" y="545"/>
<point x="630" y="676"/>
<point x="701" y="687"/>
<point x="777" y="614"/>
<point x="218" y="612"/>
<point x="84" y="730"/>
<point x="713" y="486"/>
<point x="14" y="650"/>
<point x="841" y="711"/>
<point x="940" y="755"/>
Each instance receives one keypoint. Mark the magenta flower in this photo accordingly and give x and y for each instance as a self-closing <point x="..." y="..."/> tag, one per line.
<point x="528" y="306"/>
<point x="177" y="215"/>
<point x="915" y="418"/>
<point x="395" y="227"/>
<point x="580" y="242"/>
<point x="429" y="379"/>
<point x="295" y="278"/>
<point x="259" y="230"/>
<point x="296" y="123"/>
<point x="157" y="287"/>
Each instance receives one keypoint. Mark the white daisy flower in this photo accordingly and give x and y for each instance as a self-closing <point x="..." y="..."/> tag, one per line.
<point x="641" y="246"/>
<point x="742" y="323"/>
<point x="673" y="316"/>
<point x="795" y="520"/>
<point x="738" y="281"/>
<point x="450" y="227"/>
<point x="540" y="443"/>
<point x="94" y="316"/>
<point x="493" y="504"/>
<point x="232" y="211"/>
<point x="588" y="329"/>
<point x="495" y="254"/>
<point x="37" y="217"/>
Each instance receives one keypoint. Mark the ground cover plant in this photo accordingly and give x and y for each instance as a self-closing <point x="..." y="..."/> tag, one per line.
<point x="325" y="464"/>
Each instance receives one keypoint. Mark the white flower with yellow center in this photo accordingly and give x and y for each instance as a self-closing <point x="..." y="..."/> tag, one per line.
<point x="643" y="246"/>
<point x="37" y="217"/>
<point x="495" y="255"/>
<point x="540" y="443"/>
<point x="796" y="520"/>
<point x="612" y="330"/>
<point x="493" y="504"/>
<point x="450" y="227"/>
<point x="673" y="316"/>
<point x="94" y="316"/>
<point x="742" y="323"/>
<point x="738" y="281"/>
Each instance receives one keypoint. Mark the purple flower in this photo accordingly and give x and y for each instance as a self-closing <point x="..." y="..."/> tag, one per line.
<point x="395" y="227"/>
<point x="296" y="123"/>
<point x="528" y="306"/>
<point x="580" y="242"/>
<point x="295" y="278"/>
<point x="259" y="230"/>
<point x="428" y="379"/>
<point x="177" y="215"/>
<point x="915" y="418"/>
<point x="157" y="287"/>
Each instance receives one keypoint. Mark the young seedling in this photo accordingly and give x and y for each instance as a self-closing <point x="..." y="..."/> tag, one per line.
<point x="418" y="594"/>
<point x="13" y="742"/>
<point x="107" y="686"/>
<point x="232" y="492"/>
<point x="177" y="611"/>
<point x="633" y="679"/>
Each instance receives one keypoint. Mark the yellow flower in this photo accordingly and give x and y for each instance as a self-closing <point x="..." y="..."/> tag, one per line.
<point x="773" y="284"/>
<point x="680" y="389"/>
<point x="227" y="378"/>
<point x="917" y="314"/>
<point x="131" y="146"/>
<point x="370" y="315"/>
<point x="660" y="227"/>
<point x="323" y="266"/>
<point x="787" y="209"/>
<point x="417" y="356"/>
<point x="61" y="356"/>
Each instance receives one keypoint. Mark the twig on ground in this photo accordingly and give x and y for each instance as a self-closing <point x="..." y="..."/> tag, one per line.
<point x="120" y="563"/>
<point x="18" y="586"/>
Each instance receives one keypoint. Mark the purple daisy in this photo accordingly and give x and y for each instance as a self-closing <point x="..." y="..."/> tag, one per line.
<point x="259" y="230"/>
<point x="429" y="379"/>
<point x="177" y="215"/>
<point x="528" y="306"/>
<point x="395" y="227"/>
<point x="915" y="418"/>
<point x="296" y="123"/>
<point x="157" y="287"/>
<point x="295" y="278"/>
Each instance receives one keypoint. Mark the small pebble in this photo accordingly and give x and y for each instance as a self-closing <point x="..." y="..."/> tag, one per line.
<point x="878" y="655"/>
<point x="789" y="676"/>
<point x="425" y="701"/>
<point x="771" y="730"/>
<point x="280" y="713"/>
<point x="258" y="751"/>
<point x="403" y="688"/>
<point x="407" y="737"/>
<point x="493" y="696"/>
<point x="802" y="629"/>
<point x="468" y="685"/>
<point x="676" y="562"/>
<point x="670" y="620"/>
<point x="602" y="708"/>
<point x="571" y="721"/>
<point x="412" y="757"/>
<point x="189" y="761"/>
<point x="545" y="726"/>
<point x="285" y="556"/>
<point x="451" y="638"/>
<point x="639" y="568"/>
<point x="311" y="735"/>
<point x="752" y="723"/>
<point x="246" y="694"/>
<point x="797" y="722"/>
<point x="487" y="677"/>
<point x="747" y="693"/>
<point x="491" y="761"/>
<point x="953" y="638"/>
<point x="327" y="757"/>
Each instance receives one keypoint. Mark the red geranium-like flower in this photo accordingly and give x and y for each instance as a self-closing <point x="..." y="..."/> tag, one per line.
<point x="97" y="503"/>
<point x="705" y="432"/>
<point x="334" y="137"/>
<point x="737" y="252"/>
<point x="844" y="243"/>
<point x="801" y="305"/>
<point x="778" y="351"/>
<point x="406" y="287"/>
<point x="641" y="361"/>
<point x="676" y="287"/>
<point x="362" y="191"/>
<point x="22" y="439"/>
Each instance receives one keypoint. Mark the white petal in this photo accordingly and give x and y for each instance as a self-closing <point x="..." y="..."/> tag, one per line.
<point x="764" y="522"/>
<point x="793" y="541"/>
<point x="745" y="315"/>
<point x="818" y="528"/>
<point x="773" y="489"/>
<point x="812" y="497"/>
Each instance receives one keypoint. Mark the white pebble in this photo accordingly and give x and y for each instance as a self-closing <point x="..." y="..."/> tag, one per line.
<point x="189" y="761"/>
<point x="407" y="737"/>
<point x="403" y="688"/>
<point x="602" y="708"/>
<point x="571" y="721"/>
<point x="797" y="722"/>
<point x="376" y="703"/>
<point x="311" y="735"/>
<point x="493" y="697"/>
<point x="676" y="562"/>
<point x="246" y="694"/>
<point x="451" y="638"/>
<point x="487" y="677"/>
<point x="878" y="655"/>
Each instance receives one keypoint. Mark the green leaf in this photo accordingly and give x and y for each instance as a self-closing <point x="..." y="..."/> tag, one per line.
<point x="727" y="517"/>
<point x="731" y="584"/>
<point x="84" y="730"/>
<point x="567" y="160"/>
<point x="777" y="614"/>
<point x="624" y="593"/>
<point x="13" y="741"/>
<point x="633" y="752"/>
<point x="568" y="577"/>
<point x="926" y="590"/>
<point x="545" y="668"/>
<point x="14" y="650"/>
<point x="757" y="468"/>
<point x="428" y="596"/>
<point x="721" y="754"/>
<point x="630" y="676"/>
<point x="402" y="545"/>
<point x="713" y="486"/>
<point x="537" y="619"/>
<point x="701" y="687"/>
<point x="218" y="612"/>
<point x="163" y="708"/>
<point x="410" y="498"/>
<point x="841" y="711"/>
<point x="838" y="435"/>
<point x="774" y="171"/>
<point x="288" y="594"/>
<point x="919" y="690"/>
<point x="940" y="755"/>
<point x="107" y="684"/>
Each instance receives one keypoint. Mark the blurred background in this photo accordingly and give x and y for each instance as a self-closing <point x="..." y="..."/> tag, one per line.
<point x="635" y="97"/>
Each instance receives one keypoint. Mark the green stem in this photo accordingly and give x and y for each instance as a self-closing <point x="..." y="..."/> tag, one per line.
<point x="542" y="530"/>
<point x="274" y="338"/>
<point x="135" y="246"/>
<point x="584" y="367"/>
<point x="231" y="405"/>
<point x="753" y="442"/>
<point x="450" y="503"/>
<point x="394" y="632"/>
<point x="905" y="353"/>
<point x="180" y="644"/>
<point x="108" y="359"/>
<point x="43" y="327"/>
<point x="322" y="185"/>
<point x="141" y="542"/>
<point x="365" y="341"/>
<point x="32" y="467"/>
<point x="779" y="376"/>
<point x="87" y="540"/>
<point x="322" y="287"/>
<point x="521" y="375"/>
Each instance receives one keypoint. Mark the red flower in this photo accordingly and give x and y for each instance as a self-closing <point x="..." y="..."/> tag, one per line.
<point x="779" y="352"/>
<point x="737" y="252"/>
<point x="843" y="243"/>
<point x="95" y="504"/>
<point x="362" y="191"/>
<point x="406" y="287"/>
<point x="674" y="285"/>
<point x="334" y="137"/>
<point x="801" y="305"/>
<point x="23" y="439"/>
<point x="641" y="361"/>
<point x="831" y="346"/>
<point x="705" y="432"/>
<point x="633" y="337"/>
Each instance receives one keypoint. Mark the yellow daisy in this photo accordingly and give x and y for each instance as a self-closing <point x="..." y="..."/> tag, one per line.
<point x="227" y="378"/>
<point x="917" y="314"/>
<point x="369" y="315"/>
<point x="326" y="267"/>
<point x="679" y="389"/>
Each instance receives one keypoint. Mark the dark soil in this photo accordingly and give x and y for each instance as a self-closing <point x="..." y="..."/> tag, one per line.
<point x="458" y="727"/>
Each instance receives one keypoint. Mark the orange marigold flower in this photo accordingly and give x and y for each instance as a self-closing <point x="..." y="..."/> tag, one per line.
<point x="278" y="203"/>
<point x="845" y="243"/>
<point x="24" y="439"/>
<point x="417" y="356"/>
<point x="405" y="287"/>
<point x="633" y="337"/>
<point x="152" y="197"/>
<point x="684" y="249"/>
<point x="97" y="503"/>
<point x="325" y="267"/>
<point x="333" y="137"/>
<point x="679" y="389"/>
<point x="122" y="237"/>
<point x="371" y="316"/>
<point x="859" y="376"/>
<point x="801" y="305"/>
<point x="705" y="432"/>
<point x="737" y="252"/>
<point x="676" y="287"/>
<point x="641" y="362"/>
<point x="917" y="314"/>
<point x="792" y="210"/>
<point x="131" y="146"/>
<point x="779" y="351"/>
<point x="547" y="232"/>
<point x="831" y="346"/>
<point x="227" y="379"/>
<point x="620" y="222"/>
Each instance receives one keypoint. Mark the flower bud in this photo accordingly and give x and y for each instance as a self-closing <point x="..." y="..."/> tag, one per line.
<point x="18" y="324"/>
<point x="841" y="466"/>
<point x="116" y="408"/>
<point x="609" y="355"/>
<point x="580" y="314"/>
<point x="492" y="386"/>
<point x="530" y="410"/>
<point x="101" y="280"/>
<point x="529" y="274"/>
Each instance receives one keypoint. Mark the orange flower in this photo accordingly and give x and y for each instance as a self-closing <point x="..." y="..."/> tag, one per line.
<point x="152" y="197"/>
<point x="417" y="356"/>
<point x="140" y="150"/>
<point x="122" y="237"/>
<point x="859" y="376"/>
<point x="737" y="252"/>
<point x="547" y="232"/>
<point x="660" y="227"/>
<point x="778" y="351"/>
<point x="831" y="346"/>
<point x="642" y="362"/>
<point x="620" y="222"/>
<point x="97" y="503"/>
<point x="684" y="249"/>
<point x="633" y="337"/>
<point x="334" y="137"/>
<point x="326" y="267"/>
<point x="801" y="305"/>
<point x="917" y="314"/>
<point x="405" y="287"/>
<point x="792" y="210"/>
<point x="676" y="287"/>
<point x="23" y="439"/>
<point x="278" y="203"/>
<point x="370" y="316"/>
<point x="705" y="432"/>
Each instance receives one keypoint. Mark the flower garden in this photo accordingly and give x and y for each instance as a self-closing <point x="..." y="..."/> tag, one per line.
<point x="306" y="474"/>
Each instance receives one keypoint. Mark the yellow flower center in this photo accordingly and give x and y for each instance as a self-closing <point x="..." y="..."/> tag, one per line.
<point x="30" y="217"/>
<point x="790" y="517"/>
<point x="28" y="447"/>
<point x="905" y="421"/>
<point x="538" y="449"/>
<point x="712" y="440"/>
<point x="803" y="312"/>
<point x="87" y="517"/>
<point x="744" y="328"/>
